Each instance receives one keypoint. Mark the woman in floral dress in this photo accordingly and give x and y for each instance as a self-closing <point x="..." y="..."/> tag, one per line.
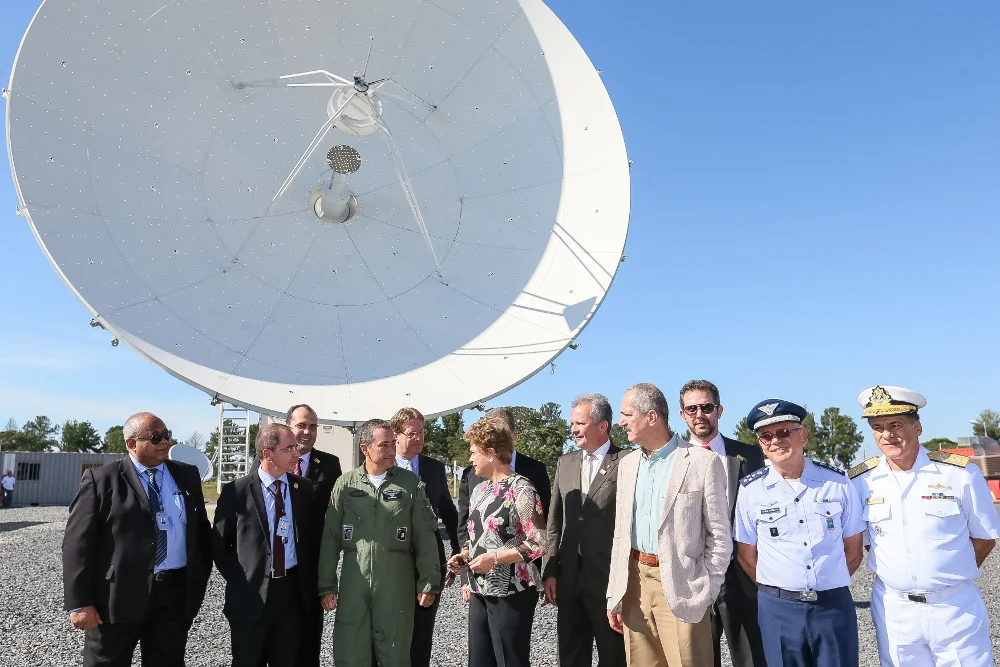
<point x="506" y="529"/>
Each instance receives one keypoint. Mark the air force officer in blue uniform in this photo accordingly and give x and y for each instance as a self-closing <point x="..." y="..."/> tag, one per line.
<point x="799" y="529"/>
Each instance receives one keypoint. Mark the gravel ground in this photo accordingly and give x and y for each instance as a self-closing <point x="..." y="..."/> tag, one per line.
<point x="34" y="631"/>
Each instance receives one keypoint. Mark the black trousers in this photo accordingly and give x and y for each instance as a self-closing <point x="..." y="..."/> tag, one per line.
<point x="735" y="615"/>
<point x="161" y="635"/>
<point x="500" y="629"/>
<point x="423" y="634"/>
<point x="583" y="621"/>
<point x="311" y="635"/>
<point x="273" y="639"/>
<point x="8" y="497"/>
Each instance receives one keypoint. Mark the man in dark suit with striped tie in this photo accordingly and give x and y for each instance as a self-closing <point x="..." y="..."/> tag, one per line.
<point x="136" y="553"/>
<point x="263" y="543"/>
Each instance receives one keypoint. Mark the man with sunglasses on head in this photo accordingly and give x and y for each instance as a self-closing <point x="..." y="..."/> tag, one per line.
<point x="798" y="531"/>
<point x="931" y="524"/>
<point x="137" y="552"/>
<point x="735" y="610"/>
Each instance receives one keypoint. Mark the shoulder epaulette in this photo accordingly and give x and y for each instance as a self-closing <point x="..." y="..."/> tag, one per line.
<point x="863" y="467"/>
<point x="756" y="474"/>
<point x="950" y="459"/>
<point x="829" y="467"/>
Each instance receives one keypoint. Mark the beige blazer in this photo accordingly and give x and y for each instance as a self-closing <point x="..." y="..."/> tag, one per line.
<point x="694" y="543"/>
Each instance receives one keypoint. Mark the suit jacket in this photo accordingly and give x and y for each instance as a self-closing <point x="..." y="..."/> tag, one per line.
<point x="323" y="471"/>
<point x="741" y="460"/>
<point x="110" y="542"/>
<point x="241" y="544"/>
<point x="580" y="531"/>
<point x="432" y="474"/>
<point x="694" y="539"/>
<point x="533" y="469"/>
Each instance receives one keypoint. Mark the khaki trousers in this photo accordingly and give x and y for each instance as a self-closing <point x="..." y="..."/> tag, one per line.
<point x="654" y="637"/>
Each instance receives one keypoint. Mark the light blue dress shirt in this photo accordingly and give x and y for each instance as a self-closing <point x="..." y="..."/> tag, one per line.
<point x="413" y="465"/>
<point x="267" y="486"/>
<point x="650" y="493"/>
<point x="799" y="533"/>
<point x="172" y="501"/>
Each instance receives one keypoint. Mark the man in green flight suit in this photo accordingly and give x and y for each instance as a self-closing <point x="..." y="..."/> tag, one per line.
<point x="379" y="518"/>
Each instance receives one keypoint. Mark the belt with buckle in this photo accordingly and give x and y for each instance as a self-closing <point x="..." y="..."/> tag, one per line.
<point x="645" y="559"/>
<point x="926" y="597"/>
<point x="168" y="575"/>
<point x="801" y="596"/>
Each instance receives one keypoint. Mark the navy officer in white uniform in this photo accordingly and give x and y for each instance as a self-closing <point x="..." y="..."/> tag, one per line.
<point x="799" y="531"/>
<point x="931" y="524"/>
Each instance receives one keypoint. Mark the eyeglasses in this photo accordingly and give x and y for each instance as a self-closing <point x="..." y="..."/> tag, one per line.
<point x="779" y="433"/>
<point x="706" y="408"/>
<point x="155" y="438"/>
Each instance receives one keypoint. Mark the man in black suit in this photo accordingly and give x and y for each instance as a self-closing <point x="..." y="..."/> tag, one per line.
<point x="323" y="470"/>
<point x="581" y="527"/>
<point x="408" y="425"/>
<point x="263" y="543"/>
<point x="522" y="464"/>
<point x="137" y="552"/>
<point x="735" y="610"/>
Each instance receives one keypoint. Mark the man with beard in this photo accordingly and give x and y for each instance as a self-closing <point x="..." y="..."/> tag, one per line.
<point x="735" y="610"/>
<point x="323" y="469"/>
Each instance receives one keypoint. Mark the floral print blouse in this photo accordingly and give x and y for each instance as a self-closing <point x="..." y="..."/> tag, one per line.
<point x="506" y="515"/>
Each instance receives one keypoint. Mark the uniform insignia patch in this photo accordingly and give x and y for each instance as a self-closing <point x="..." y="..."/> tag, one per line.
<point x="875" y="500"/>
<point x="356" y="493"/>
<point x="768" y="409"/>
<point x="828" y="467"/>
<point x="829" y="523"/>
<point x="756" y="474"/>
<point x="392" y="494"/>
<point x="938" y="486"/>
<point x="774" y="531"/>
<point x="348" y="532"/>
<point x="401" y="533"/>
<point x="316" y="459"/>
<point x="951" y="459"/>
<point x="863" y="467"/>
<point x="770" y="510"/>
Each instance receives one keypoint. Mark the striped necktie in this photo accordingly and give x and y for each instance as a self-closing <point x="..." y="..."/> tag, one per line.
<point x="157" y="507"/>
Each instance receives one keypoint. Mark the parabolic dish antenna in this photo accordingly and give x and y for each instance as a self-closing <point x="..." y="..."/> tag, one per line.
<point x="194" y="456"/>
<point x="357" y="205"/>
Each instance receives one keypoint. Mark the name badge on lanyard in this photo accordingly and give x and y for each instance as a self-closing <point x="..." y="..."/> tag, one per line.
<point x="283" y="526"/>
<point x="162" y="522"/>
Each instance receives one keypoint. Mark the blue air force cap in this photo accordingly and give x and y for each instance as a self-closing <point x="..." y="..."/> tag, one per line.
<point x="774" y="410"/>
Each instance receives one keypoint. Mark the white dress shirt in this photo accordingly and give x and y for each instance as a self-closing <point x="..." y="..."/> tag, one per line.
<point x="267" y="486"/>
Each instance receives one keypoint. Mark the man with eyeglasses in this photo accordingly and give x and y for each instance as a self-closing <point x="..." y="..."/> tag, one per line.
<point x="798" y="531"/>
<point x="408" y="425"/>
<point x="323" y="470"/>
<point x="262" y="543"/>
<point x="931" y="524"/>
<point x="735" y="610"/>
<point x="137" y="553"/>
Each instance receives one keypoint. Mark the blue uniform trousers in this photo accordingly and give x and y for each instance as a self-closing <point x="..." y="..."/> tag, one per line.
<point x="823" y="633"/>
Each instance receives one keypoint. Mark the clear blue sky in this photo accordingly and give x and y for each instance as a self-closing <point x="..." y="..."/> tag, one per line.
<point x="815" y="205"/>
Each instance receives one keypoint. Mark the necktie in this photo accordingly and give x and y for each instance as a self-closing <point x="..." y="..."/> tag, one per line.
<point x="157" y="507"/>
<point x="408" y="465"/>
<point x="298" y="467"/>
<point x="706" y="447"/>
<point x="585" y="474"/>
<point x="278" y="545"/>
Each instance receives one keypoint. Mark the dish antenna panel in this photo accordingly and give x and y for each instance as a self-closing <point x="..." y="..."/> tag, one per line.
<point x="355" y="205"/>
<point x="194" y="456"/>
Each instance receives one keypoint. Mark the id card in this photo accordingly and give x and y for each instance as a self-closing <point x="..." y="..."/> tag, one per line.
<point x="162" y="522"/>
<point x="283" y="527"/>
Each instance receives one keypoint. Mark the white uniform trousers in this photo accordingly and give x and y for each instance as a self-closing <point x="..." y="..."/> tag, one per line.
<point x="949" y="632"/>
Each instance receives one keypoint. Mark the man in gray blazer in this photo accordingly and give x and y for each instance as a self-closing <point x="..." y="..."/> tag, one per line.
<point x="580" y="527"/>
<point x="672" y="540"/>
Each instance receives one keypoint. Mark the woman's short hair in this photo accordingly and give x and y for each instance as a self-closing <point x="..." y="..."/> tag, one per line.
<point x="491" y="432"/>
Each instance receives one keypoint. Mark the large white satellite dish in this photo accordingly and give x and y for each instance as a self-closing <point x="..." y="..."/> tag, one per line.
<point x="194" y="456"/>
<point x="356" y="204"/>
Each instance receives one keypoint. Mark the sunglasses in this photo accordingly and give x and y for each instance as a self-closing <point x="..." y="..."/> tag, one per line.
<point x="779" y="433"/>
<point x="706" y="408"/>
<point x="155" y="438"/>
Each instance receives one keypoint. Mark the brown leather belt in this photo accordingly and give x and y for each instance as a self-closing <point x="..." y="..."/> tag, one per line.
<point x="645" y="559"/>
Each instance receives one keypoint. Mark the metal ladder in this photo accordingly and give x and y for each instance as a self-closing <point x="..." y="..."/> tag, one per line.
<point x="233" y="452"/>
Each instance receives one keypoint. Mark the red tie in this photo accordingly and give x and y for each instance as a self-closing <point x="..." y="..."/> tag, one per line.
<point x="278" y="544"/>
<point x="298" y="467"/>
<point x="706" y="447"/>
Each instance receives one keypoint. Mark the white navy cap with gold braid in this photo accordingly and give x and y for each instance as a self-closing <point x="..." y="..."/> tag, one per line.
<point x="884" y="400"/>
